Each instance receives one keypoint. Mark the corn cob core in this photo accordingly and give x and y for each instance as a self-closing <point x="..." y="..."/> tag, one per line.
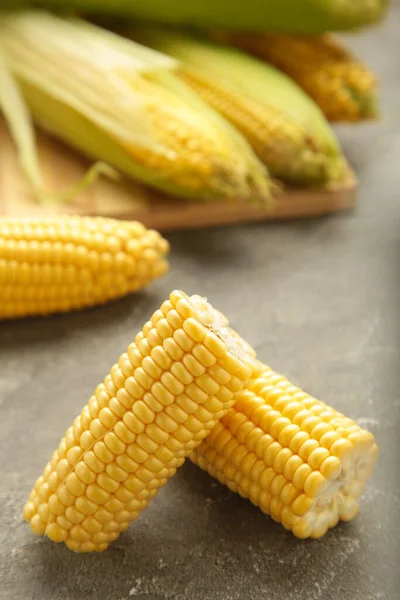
<point x="299" y="460"/>
<point x="343" y="88"/>
<point x="158" y="403"/>
<point x="69" y="262"/>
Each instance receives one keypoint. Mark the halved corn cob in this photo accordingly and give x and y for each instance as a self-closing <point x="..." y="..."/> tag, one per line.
<point x="69" y="262"/>
<point x="159" y="402"/>
<point x="283" y="125"/>
<point x="299" y="460"/>
<point x="306" y="16"/>
<point x="343" y="88"/>
<point x="122" y="103"/>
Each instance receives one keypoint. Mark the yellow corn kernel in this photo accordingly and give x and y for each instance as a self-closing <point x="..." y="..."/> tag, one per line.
<point x="306" y="480"/>
<point x="96" y="491"/>
<point x="38" y="262"/>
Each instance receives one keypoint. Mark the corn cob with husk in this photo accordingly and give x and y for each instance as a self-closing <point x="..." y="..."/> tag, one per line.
<point x="299" y="460"/>
<point x="68" y="262"/>
<point x="301" y="16"/>
<point x="122" y="103"/>
<point x="344" y="88"/>
<point x="158" y="403"/>
<point x="283" y="125"/>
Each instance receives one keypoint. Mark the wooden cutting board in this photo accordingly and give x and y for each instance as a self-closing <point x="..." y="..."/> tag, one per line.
<point x="62" y="167"/>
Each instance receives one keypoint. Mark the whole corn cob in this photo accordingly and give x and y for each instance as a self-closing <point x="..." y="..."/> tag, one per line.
<point x="120" y="102"/>
<point x="299" y="460"/>
<point x="283" y="125"/>
<point x="304" y="16"/>
<point x="68" y="262"/>
<point x="157" y="404"/>
<point x="344" y="88"/>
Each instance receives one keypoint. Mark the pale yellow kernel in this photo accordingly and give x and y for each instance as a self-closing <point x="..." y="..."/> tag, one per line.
<point x="84" y="473"/>
<point x="78" y="534"/>
<point x="164" y="455"/>
<point x="37" y="525"/>
<point x="143" y="412"/>
<point x="151" y="368"/>
<point x="215" y="345"/>
<point x="214" y="406"/>
<point x="117" y="408"/>
<point x="85" y="506"/>
<point x="74" y="515"/>
<point x="277" y="485"/>
<point x="181" y="373"/>
<point x="220" y="375"/>
<point x="53" y="481"/>
<point x="186" y="404"/>
<point x="125" y="399"/>
<point x="234" y="384"/>
<point x="97" y="429"/>
<point x="302" y="505"/>
<point x="134" y="424"/>
<point x="160" y="356"/>
<point x="64" y="523"/>
<point x="114" y="505"/>
<point x="55" y="505"/>
<point x="44" y="512"/>
<point x="156" y="433"/>
<point x="160" y="392"/>
<point x="203" y="355"/>
<point x="116" y="472"/>
<point x="93" y="462"/>
<point x="114" y="444"/>
<point x="123" y="494"/>
<point x="146" y="443"/>
<point x="327" y="439"/>
<point x="112" y="527"/>
<point x="107" y="483"/>
<point x="195" y="393"/>
<point x="29" y="511"/>
<point x="172" y="384"/>
<point x="224" y="395"/>
<point x="301" y="474"/>
<point x="92" y="526"/>
<point x="103" y="453"/>
<point x="134" y="388"/>
<point x="331" y="468"/>
<point x="194" y="367"/>
<point x="103" y="516"/>
<point x="107" y="418"/>
<point x="134" y="485"/>
<point x="97" y="494"/>
<point x="44" y="491"/>
<point x="342" y="448"/>
<point x="136" y="453"/>
<point x="75" y="485"/>
<point x="64" y="495"/>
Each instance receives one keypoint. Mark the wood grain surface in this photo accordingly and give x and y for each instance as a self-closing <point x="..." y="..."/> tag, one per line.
<point x="124" y="199"/>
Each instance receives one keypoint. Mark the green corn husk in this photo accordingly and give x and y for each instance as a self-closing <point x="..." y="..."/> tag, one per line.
<point x="272" y="16"/>
<point x="285" y="127"/>
<point x="121" y="103"/>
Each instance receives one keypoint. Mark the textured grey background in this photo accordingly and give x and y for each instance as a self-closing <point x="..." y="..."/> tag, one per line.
<point x="320" y="301"/>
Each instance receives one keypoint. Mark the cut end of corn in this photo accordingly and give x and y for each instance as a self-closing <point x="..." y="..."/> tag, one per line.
<point x="299" y="460"/>
<point x="69" y="262"/>
<point x="158" y="403"/>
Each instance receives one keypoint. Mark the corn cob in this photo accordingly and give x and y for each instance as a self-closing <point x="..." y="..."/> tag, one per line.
<point x="343" y="88"/>
<point x="303" y="16"/>
<point x="64" y="263"/>
<point x="283" y="125"/>
<point x="299" y="460"/>
<point x="120" y="102"/>
<point x="159" y="402"/>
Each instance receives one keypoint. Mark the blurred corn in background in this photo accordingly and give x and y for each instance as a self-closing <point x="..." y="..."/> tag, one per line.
<point x="343" y="87"/>
<point x="284" y="126"/>
<point x="302" y="16"/>
<point x="120" y="102"/>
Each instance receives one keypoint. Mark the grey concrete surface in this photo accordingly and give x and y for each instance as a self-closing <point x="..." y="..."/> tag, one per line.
<point x="320" y="302"/>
